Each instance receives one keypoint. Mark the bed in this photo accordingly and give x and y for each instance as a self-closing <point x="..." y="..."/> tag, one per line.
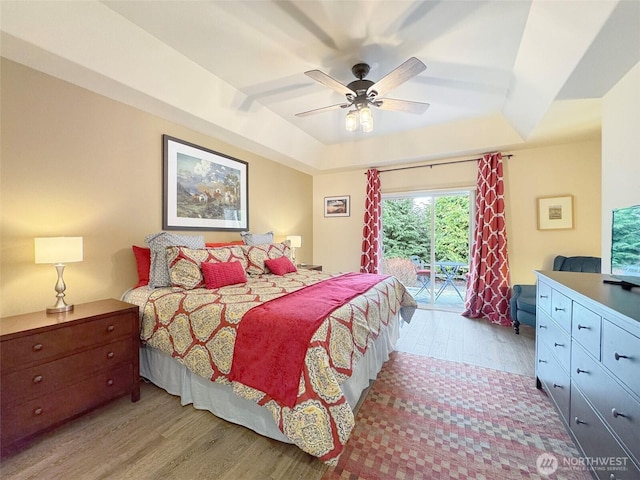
<point x="227" y="348"/>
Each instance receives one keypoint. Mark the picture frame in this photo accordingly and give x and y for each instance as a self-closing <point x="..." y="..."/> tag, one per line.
<point x="203" y="189"/>
<point x="339" y="206"/>
<point x="555" y="213"/>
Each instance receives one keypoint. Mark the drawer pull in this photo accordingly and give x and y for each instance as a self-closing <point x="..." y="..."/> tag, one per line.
<point x="558" y="344"/>
<point x="558" y="309"/>
<point x="543" y="326"/>
<point x="617" y="414"/>
<point x="109" y="382"/>
<point x="111" y="328"/>
<point x="580" y="422"/>
<point x="580" y="327"/>
<point x="544" y="296"/>
<point x="541" y="361"/>
<point x="580" y="371"/>
<point x="37" y="347"/>
<point x="555" y="385"/>
<point x="37" y="411"/>
<point x="37" y="379"/>
<point x="617" y="356"/>
<point x="110" y="355"/>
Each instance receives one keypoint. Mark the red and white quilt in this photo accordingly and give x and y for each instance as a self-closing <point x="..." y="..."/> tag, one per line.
<point x="201" y="329"/>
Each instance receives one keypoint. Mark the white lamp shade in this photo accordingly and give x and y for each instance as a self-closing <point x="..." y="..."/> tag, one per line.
<point x="295" y="240"/>
<point x="58" y="249"/>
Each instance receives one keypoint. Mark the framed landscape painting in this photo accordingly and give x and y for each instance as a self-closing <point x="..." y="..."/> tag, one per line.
<point x="337" y="206"/>
<point x="203" y="189"/>
<point x="555" y="212"/>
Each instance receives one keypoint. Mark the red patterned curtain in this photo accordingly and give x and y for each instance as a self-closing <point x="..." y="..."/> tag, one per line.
<point x="371" y="242"/>
<point x="488" y="289"/>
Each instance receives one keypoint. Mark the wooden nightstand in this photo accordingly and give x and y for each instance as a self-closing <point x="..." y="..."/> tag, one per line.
<point x="57" y="366"/>
<point x="310" y="267"/>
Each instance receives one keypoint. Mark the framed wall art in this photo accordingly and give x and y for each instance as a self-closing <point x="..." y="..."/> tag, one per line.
<point x="555" y="212"/>
<point x="203" y="189"/>
<point x="337" y="206"/>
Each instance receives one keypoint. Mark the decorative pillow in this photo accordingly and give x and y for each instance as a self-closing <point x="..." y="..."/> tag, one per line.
<point x="223" y="244"/>
<point x="143" y="264"/>
<point x="257" y="254"/>
<point x="256" y="239"/>
<point x="221" y="274"/>
<point x="280" y="265"/>
<point x="158" y="243"/>
<point x="185" y="263"/>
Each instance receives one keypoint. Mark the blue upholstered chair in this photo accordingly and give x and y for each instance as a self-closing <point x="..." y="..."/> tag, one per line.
<point x="523" y="297"/>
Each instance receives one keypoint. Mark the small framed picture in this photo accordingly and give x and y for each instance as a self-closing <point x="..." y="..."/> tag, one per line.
<point x="555" y="212"/>
<point x="203" y="189"/>
<point x="337" y="206"/>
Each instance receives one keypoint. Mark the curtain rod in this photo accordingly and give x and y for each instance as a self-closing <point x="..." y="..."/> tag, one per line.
<point x="431" y="165"/>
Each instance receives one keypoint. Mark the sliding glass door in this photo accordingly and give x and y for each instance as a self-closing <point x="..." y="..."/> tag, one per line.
<point x="426" y="238"/>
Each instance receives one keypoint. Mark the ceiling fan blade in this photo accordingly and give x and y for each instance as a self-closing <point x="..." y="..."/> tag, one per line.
<point x="404" y="72"/>
<point x="323" y="109"/>
<point x="401" y="105"/>
<point x="330" y="82"/>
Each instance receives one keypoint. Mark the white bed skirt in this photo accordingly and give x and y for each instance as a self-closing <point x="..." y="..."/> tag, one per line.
<point x="170" y="375"/>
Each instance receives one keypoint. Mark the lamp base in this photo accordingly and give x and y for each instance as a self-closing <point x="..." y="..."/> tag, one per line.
<point x="65" y="308"/>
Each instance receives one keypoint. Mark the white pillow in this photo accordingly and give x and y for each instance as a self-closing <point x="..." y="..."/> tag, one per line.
<point x="158" y="243"/>
<point x="256" y="239"/>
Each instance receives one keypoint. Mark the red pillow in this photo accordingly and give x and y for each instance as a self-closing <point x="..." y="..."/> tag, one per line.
<point x="221" y="274"/>
<point x="223" y="244"/>
<point x="143" y="263"/>
<point x="280" y="265"/>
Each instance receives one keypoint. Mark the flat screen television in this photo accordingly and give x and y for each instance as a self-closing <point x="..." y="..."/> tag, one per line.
<point x="625" y="246"/>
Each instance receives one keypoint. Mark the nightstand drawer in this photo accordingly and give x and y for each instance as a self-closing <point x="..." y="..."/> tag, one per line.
<point x="48" y="377"/>
<point x="24" y="419"/>
<point x="42" y="347"/>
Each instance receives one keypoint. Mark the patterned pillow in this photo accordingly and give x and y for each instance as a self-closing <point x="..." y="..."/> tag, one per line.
<point x="185" y="264"/>
<point x="257" y="254"/>
<point x="256" y="239"/>
<point x="158" y="243"/>
<point x="221" y="274"/>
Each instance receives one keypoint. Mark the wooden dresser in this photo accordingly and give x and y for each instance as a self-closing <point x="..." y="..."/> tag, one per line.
<point x="588" y="361"/>
<point x="57" y="366"/>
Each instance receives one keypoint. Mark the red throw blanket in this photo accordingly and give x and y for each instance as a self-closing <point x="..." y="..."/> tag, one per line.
<point x="273" y="338"/>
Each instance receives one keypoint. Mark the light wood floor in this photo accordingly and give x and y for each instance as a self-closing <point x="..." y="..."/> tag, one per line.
<point x="157" y="438"/>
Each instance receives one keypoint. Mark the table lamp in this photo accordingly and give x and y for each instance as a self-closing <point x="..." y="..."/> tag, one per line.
<point x="296" y="242"/>
<point x="58" y="251"/>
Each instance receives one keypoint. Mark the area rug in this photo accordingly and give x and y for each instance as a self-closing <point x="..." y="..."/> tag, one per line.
<point x="426" y="418"/>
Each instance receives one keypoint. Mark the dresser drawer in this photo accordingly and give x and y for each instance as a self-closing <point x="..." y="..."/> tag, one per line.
<point x="597" y="443"/>
<point x="557" y="341"/>
<point x="612" y="402"/>
<point x="561" y="310"/>
<point x="585" y="328"/>
<point x="42" y="347"/>
<point x="544" y="297"/>
<point x="26" y="418"/>
<point x="621" y="355"/>
<point x="555" y="380"/>
<point x="37" y="380"/>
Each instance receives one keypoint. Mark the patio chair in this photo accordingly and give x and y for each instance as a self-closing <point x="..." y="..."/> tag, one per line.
<point x="423" y="273"/>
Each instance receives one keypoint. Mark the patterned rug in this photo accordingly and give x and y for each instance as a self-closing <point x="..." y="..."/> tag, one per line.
<point x="426" y="418"/>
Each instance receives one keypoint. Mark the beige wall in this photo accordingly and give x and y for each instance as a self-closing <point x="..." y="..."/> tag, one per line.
<point x="565" y="169"/>
<point x="78" y="164"/>
<point x="620" y="157"/>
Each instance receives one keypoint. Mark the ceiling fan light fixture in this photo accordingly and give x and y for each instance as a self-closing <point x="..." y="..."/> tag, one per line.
<point x="366" y="116"/>
<point x="351" y="121"/>
<point x="367" y="126"/>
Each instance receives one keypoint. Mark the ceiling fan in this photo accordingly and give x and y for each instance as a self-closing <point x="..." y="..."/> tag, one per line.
<point x="362" y="93"/>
